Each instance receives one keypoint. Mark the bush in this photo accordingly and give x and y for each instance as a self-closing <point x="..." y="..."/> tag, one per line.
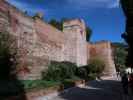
<point x="70" y="82"/>
<point x="92" y="76"/>
<point x="10" y="88"/>
<point x="59" y="71"/>
<point x="96" y="65"/>
<point x="7" y="55"/>
<point x="30" y="84"/>
<point x="86" y="73"/>
<point x="82" y="72"/>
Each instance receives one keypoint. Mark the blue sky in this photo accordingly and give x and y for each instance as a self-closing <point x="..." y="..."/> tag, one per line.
<point x="104" y="17"/>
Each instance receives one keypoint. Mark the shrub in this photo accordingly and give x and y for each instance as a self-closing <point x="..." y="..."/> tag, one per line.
<point x="92" y="76"/>
<point x="86" y="73"/>
<point x="10" y="87"/>
<point x="96" y="65"/>
<point x="30" y="84"/>
<point x="82" y="72"/>
<point x="7" y="55"/>
<point x="59" y="71"/>
<point x="70" y="82"/>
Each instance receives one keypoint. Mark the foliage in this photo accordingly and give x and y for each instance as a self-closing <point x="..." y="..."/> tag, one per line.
<point x="120" y="54"/>
<point x="85" y="73"/>
<point x="9" y="84"/>
<point x="96" y="65"/>
<point x="30" y="84"/>
<point x="75" y="78"/>
<point x="4" y="46"/>
<point x="6" y="55"/>
<point x="56" y="24"/>
<point x="70" y="82"/>
<point x="94" y="68"/>
<point x="59" y="71"/>
<point x="92" y="76"/>
<point x="88" y="33"/>
<point x="128" y="39"/>
<point x="127" y="6"/>
<point x="82" y="72"/>
<point x="10" y="87"/>
<point x="62" y="71"/>
<point x="38" y="15"/>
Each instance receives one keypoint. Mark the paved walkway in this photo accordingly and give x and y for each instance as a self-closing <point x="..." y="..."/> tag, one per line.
<point x="95" y="90"/>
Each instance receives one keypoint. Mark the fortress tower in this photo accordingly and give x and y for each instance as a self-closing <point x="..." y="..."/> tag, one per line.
<point x="103" y="50"/>
<point x="75" y="49"/>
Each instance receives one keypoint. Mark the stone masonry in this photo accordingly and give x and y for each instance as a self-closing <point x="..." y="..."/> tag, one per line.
<point x="103" y="50"/>
<point x="75" y="44"/>
<point x="38" y="43"/>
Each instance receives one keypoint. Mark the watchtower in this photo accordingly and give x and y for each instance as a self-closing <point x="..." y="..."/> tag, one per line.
<point x="75" y="41"/>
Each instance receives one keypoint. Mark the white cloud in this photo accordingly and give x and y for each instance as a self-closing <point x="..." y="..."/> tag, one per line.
<point x="114" y="5"/>
<point x="94" y="3"/>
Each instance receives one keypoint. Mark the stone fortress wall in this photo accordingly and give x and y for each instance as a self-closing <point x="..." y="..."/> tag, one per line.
<point x="39" y="43"/>
<point x="103" y="50"/>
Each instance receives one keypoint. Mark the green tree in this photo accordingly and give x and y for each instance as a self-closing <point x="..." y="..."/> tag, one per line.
<point x="95" y="66"/>
<point x="9" y="83"/>
<point x="88" y="34"/>
<point x="56" y="24"/>
<point x="127" y="6"/>
<point x="38" y="15"/>
<point x="6" y="55"/>
<point x="120" y="54"/>
<point x="59" y="71"/>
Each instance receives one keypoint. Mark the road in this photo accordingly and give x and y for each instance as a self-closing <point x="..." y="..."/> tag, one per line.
<point x="95" y="90"/>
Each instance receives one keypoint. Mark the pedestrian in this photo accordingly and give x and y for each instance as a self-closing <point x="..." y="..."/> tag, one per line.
<point x="118" y="75"/>
<point x="124" y="81"/>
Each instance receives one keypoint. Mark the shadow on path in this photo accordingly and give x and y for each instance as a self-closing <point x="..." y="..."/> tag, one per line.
<point x="95" y="90"/>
